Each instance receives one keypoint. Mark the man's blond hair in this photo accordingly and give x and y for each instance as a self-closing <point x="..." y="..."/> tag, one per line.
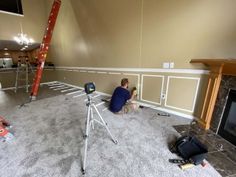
<point x="124" y="81"/>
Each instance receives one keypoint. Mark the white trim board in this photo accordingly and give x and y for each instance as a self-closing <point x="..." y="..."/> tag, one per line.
<point x="168" y="110"/>
<point x="195" y="96"/>
<point x="57" y="86"/>
<point x="101" y="72"/>
<point x="67" y="90"/>
<point x="23" y="86"/>
<point x="114" y="73"/>
<point x="61" y="88"/>
<point x="89" y="71"/>
<point x="101" y="93"/>
<point x="162" y="88"/>
<point x="105" y="94"/>
<point x="140" y="70"/>
<point x="144" y="104"/>
<point x="72" y="93"/>
<point x="75" y="86"/>
<point x="139" y="87"/>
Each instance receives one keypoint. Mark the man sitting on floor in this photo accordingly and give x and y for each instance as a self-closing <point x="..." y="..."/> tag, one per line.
<point x="120" y="97"/>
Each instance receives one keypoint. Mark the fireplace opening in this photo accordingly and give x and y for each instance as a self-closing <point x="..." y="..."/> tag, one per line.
<point x="227" y="127"/>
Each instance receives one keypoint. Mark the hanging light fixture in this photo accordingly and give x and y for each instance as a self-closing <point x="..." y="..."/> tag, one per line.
<point x="21" y="38"/>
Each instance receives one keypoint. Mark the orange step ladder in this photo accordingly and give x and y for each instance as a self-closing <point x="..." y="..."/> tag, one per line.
<point x="44" y="48"/>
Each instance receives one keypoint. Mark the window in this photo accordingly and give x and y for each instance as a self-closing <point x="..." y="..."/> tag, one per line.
<point x="11" y="7"/>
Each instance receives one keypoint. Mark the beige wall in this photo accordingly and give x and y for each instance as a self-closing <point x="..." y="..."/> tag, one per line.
<point x="105" y="82"/>
<point x="33" y="22"/>
<point x="185" y="29"/>
<point x="152" y="88"/>
<point x="143" y="33"/>
<point x="182" y="92"/>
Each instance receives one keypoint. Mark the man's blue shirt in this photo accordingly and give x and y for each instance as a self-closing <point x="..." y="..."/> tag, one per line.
<point x="119" y="98"/>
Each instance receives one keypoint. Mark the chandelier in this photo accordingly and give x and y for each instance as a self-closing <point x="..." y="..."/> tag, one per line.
<point x="23" y="39"/>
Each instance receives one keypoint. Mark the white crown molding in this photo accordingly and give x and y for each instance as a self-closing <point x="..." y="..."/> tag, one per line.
<point x="150" y="70"/>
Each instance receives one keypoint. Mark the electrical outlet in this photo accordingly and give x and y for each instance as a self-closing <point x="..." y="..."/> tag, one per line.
<point x="172" y="64"/>
<point x="64" y="78"/>
<point x="166" y="65"/>
<point x="163" y="96"/>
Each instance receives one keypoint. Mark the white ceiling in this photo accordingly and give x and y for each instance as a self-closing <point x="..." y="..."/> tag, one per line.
<point x="13" y="45"/>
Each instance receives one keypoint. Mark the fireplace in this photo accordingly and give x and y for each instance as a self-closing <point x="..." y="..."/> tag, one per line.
<point x="223" y="120"/>
<point x="219" y="107"/>
<point x="227" y="127"/>
<point x="219" y="68"/>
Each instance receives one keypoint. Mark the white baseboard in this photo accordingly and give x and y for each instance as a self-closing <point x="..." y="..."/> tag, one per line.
<point x="187" y="116"/>
<point x="168" y="111"/>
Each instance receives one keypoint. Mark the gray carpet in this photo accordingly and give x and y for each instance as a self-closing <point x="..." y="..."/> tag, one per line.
<point x="48" y="143"/>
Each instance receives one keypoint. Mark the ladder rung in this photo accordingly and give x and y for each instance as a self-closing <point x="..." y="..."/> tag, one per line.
<point x="23" y="71"/>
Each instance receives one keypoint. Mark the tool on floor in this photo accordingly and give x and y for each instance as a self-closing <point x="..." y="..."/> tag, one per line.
<point x="5" y="134"/>
<point x="24" y="104"/>
<point x="163" y="114"/>
<point x="185" y="164"/>
<point x="190" y="149"/>
<point x="23" y="70"/>
<point x="106" y="100"/>
<point x="89" y="89"/>
<point x="44" y="47"/>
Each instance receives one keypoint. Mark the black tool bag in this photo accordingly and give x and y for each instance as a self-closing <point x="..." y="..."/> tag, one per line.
<point x="190" y="148"/>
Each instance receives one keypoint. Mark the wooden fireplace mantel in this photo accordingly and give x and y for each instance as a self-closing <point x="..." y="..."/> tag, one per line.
<point x="218" y="67"/>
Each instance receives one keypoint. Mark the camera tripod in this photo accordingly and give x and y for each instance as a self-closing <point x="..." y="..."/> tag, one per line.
<point x="90" y="123"/>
